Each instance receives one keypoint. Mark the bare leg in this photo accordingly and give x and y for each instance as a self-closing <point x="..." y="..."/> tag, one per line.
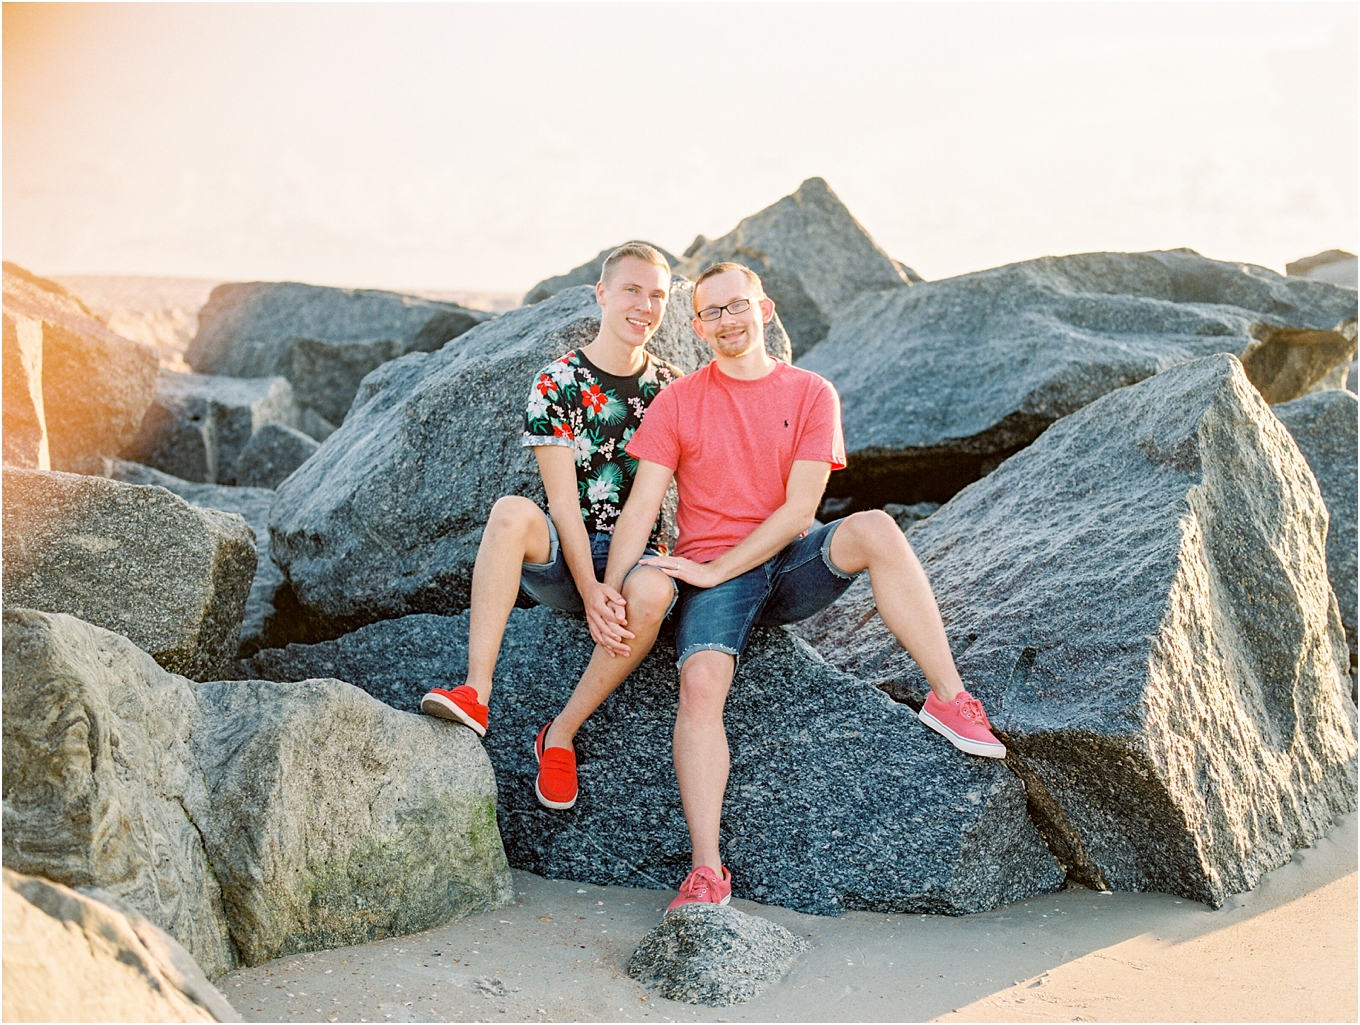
<point x="648" y="593"/>
<point x="702" y="759"/>
<point x="873" y="541"/>
<point x="517" y="532"/>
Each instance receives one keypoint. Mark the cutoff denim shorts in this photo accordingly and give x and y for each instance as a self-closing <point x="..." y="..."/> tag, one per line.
<point x="551" y="583"/>
<point x="798" y="582"/>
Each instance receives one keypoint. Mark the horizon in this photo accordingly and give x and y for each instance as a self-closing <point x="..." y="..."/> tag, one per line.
<point x="448" y="149"/>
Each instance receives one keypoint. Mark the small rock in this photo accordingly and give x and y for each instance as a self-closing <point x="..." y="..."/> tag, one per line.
<point x="1287" y="362"/>
<point x="96" y="385"/>
<point x="198" y="425"/>
<point x="140" y="561"/>
<point x="271" y="455"/>
<point x="72" y="956"/>
<point x="1334" y="265"/>
<point x="714" y="955"/>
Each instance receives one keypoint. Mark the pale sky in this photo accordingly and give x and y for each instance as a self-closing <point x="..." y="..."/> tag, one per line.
<point x="486" y="146"/>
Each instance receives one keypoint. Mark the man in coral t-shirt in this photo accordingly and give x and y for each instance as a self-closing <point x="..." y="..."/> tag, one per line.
<point x="750" y="442"/>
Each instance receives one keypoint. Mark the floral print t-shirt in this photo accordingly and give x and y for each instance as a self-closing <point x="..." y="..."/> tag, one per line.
<point x="576" y="404"/>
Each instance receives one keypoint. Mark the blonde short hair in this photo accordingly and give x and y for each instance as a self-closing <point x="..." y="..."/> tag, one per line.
<point x="752" y="279"/>
<point x="640" y="250"/>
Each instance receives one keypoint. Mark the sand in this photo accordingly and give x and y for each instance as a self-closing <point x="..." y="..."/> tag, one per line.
<point x="1284" y="952"/>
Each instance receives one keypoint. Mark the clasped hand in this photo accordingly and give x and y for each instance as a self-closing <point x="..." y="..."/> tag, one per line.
<point x="607" y="616"/>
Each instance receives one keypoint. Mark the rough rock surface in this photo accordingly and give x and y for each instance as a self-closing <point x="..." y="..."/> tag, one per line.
<point x="199" y="424"/>
<point x="70" y="956"/>
<point x="100" y="785"/>
<point x="714" y="955"/>
<point x="838" y="797"/>
<point x="95" y="385"/>
<point x="1140" y="601"/>
<point x="326" y="374"/>
<point x="139" y="561"/>
<point x="384" y="520"/>
<point x="1324" y="427"/>
<point x="272" y="453"/>
<point x="248" y="329"/>
<point x="337" y="819"/>
<point x="272" y="618"/>
<point x="1334" y="265"/>
<point x="1287" y="362"/>
<point x="812" y="255"/>
<point x="587" y="273"/>
<point x="942" y="381"/>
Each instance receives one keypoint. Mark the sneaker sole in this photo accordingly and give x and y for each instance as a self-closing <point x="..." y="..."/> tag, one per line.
<point x="725" y="900"/>
<point x="972" y="747"/>
<point x="442" y="708"/>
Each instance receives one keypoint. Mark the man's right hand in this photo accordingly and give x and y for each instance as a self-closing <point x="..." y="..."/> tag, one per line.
<point x="607" y="616"/>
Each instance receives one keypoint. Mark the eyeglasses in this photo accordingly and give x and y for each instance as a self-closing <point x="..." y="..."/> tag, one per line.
<point x="734" y="307"/>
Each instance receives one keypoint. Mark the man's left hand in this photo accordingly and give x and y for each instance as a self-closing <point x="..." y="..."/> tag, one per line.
<point x="698" y="574"/>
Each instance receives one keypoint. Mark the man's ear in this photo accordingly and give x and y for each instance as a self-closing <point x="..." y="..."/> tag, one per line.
<point x="698" y="325"/>
<point x="599" y="292"/>
<point x="766" y="310"/>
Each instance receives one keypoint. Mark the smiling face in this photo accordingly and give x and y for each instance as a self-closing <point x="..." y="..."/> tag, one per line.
<point x="632" y="300"/>
<point x="732" y="335"/>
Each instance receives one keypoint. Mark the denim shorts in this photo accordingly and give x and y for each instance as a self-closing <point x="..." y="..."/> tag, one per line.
<point x="551" y="583"/>
<point x="793" y="585"/>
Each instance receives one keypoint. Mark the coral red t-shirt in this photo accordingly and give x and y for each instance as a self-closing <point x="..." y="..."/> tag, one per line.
<point x="732" y="444"/>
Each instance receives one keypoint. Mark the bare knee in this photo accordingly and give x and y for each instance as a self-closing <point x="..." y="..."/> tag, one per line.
<point x="705" y="680"/>
<point x="866" y="537"/>
<point x="516" y="521"/>
<point x="649" y="593"/>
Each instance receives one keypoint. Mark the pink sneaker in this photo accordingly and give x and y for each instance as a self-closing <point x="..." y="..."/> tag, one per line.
<point x="964" y="724"/>
<point x="702" y="886"/>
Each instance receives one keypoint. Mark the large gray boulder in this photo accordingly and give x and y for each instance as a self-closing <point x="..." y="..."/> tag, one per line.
<point x="714" y="955"/>
<point x="812" y="255"/>
<point x="1140" y="600"/>
<point x="72" y="956"/>
<point x="100" y="785"/>
<point x="198" y="425"/>
<point x="1323" y="425"/>
<point x="247" y="329"/>
<point x="272" y="453"/>
<point x="271" y="617"/>
<point x="140" y="561"/>
<point x="838" y="798"/>
<point x="72" y="381"/>
<point x="587" y="273"/>
<point x="338" y="820"/>
<point x="385" y="519"/>
<point x="940" y="382"/>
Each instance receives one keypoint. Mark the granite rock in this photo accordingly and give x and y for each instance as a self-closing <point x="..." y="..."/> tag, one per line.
<point x="838" y="799"/>
<point x="941" y="382"/>
<point x="272" y="618"/>
<point x="72" y="956"/>
<point x="336" y="819"/>
<point x="198" y="425"/>
<point x="714" y="955"/>
<point x="813" y="257"/>
<point x="25" y="426"/>
<point x="587" y="273"/>
<point x="248" y="329"/>
<point x="1334" y="265"/>
<point x="385" y="519"/>
<point x="1323" y="425"/>
<point x="1288" y="362"/>
<point x="271" y="455"/>
<point x="1140" y="600"/>
<point x="140" y="561"/>
<point x="100" y="785"/>
<point x="95" y="385"/>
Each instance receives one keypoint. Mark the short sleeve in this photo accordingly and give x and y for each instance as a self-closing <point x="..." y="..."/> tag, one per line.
<point x="546" y="418"/>
<point x="657" y="439"/>
<point x="822" y="440"/>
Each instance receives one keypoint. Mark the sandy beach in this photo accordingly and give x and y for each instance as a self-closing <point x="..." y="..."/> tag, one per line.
<point x="1284" y="952"/>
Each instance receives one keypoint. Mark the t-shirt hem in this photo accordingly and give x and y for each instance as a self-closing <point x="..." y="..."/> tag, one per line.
<point x="537" y="440"/>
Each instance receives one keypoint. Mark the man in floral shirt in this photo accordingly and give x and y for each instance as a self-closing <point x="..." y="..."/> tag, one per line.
<point x="582" y="410"/>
